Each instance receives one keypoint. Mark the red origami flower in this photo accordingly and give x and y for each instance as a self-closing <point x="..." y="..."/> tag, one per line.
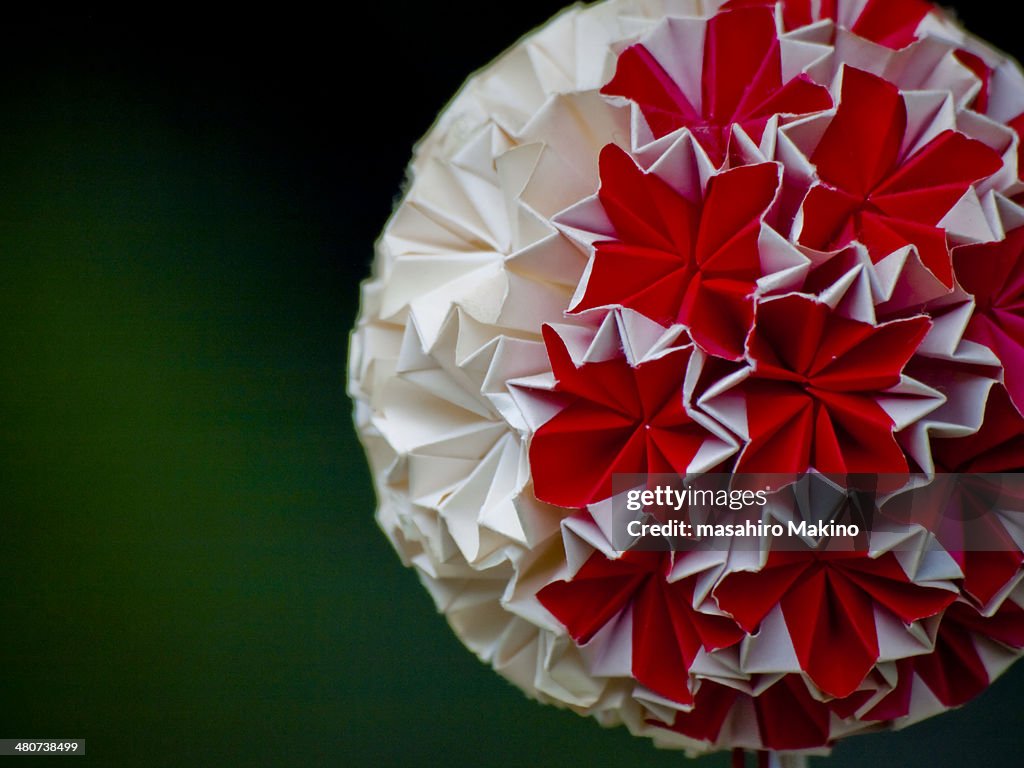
<point x="954" y="671"/>
<point x="812" y="396"/>
<point x="962" y="517"/>
<point x="668" y="631"/>
<point x="994" y="273"/>
<point x="872" y="192"/>
<point x="997" y="447"/>
<point x="828" y="601"/>
<point x="788" y="717"/>
<point x="618" y="419"/>
<point x="741" y="84"/>
<point x="677" y="260"/>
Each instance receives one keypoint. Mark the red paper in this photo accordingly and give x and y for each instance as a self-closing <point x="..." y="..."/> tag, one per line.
<point x="983" y="73"/>
<point x="741" y="84"/>
<point x="618" y="419"/>
<point x="892" y="23"/>
<point x="871" y="192"/>
<point x="828" y="602"/>
<point x="994" y="273"/>
<point x="997" y="447"/>
<point x="795" y="13"/>
<point x="667" y="631"/>
<point x="787" y="716"/>
<point x="676" y="260"/>
<point x="812" y="398"/>
<point x="954" y="671"/>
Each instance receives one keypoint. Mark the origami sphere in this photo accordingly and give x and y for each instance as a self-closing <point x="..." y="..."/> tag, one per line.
<point x="681" y="237"/>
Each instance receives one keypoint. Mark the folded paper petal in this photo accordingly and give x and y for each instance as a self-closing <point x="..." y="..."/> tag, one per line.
<point x="892" y="23"/>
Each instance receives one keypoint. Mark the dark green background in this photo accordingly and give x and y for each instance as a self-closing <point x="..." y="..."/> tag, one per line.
<point x="190" y="573"/>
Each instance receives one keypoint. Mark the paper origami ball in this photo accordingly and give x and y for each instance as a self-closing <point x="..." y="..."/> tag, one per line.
<point x="680" y="237"/>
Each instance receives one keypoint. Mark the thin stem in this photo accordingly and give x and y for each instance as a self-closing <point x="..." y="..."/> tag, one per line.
<point x="767" y="759"/>
<point x="776" y="760"/>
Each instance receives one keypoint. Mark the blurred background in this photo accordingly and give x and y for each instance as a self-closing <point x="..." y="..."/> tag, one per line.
<point x="190" y="572"/>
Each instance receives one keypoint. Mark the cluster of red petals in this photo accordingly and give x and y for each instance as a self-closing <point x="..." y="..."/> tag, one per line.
<point x="816" y="378"/>
<point x="741" y="77"/>
<point x="994" y="274"/>
<point x="788" y="717"/>
<point x="813" y="380"/>
<point x="998" y="446"/>
<point x="872" y="193"/>
<point x="955" y="671"/>
<point x="812" y="395"/>
<point x="668" y="632"/>
<point x="963" y="520"/>
<point x="741" y="84"/>
<point x="961" y="516"/>
<point x="677" y="260"/>
<point x="617" y="419"/>
<point x="828" y="601"/>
